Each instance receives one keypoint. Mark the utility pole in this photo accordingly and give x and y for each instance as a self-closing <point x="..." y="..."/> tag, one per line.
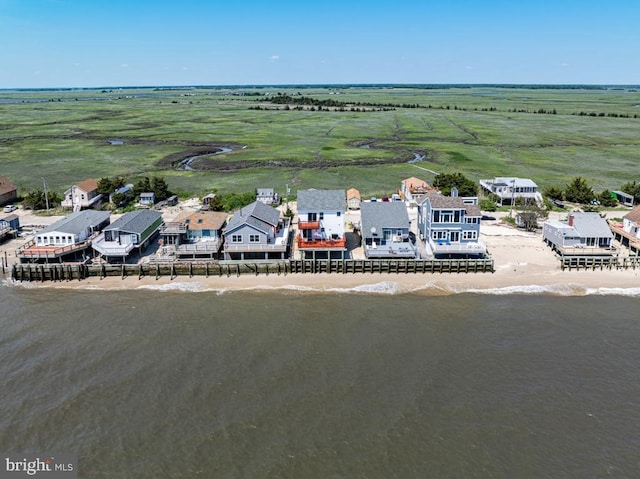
<point x="46" y="195"/>
<point x="513" y="194"/>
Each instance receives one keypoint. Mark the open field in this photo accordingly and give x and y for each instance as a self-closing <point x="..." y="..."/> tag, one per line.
<point x="67" y="136"/>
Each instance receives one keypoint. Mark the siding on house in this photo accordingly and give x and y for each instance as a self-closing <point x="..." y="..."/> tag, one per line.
<point x="450" y="225"/>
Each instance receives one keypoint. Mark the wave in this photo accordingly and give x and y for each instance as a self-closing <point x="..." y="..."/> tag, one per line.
<point x="432" y="288"/>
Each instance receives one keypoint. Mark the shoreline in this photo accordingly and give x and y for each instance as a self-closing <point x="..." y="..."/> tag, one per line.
<point x="520" y="280"/>
<point x="523" y="265"/>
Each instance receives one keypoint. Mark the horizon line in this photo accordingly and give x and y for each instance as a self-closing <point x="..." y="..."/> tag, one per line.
<point x="330" y="85"/>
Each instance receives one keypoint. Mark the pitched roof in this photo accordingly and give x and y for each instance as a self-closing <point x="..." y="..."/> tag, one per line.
<point x="6" y="185"/>
<point x="135" y="221"/>
<point x="633" y="215"/>
<point x="88" y="185"/>
<point x="414" y="182"/>
<point x="382" y="214"/>
<point x="591" y="225"/>
<point x="318" y="200"/>
<point x="353" y="193"/>
<point x="437" y="200"/>
<point x="257" y="214"/>
<point x="203" y="220"/>
<point x="78" y="222"/>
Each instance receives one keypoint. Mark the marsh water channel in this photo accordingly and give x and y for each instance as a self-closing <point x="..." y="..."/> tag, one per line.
<point x="185" y="165"/>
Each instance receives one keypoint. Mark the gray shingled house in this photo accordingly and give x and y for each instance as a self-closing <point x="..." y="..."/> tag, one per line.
<point x="132" y="231"/>
<point x="256" y="232"/>
<point x="385" y="230"/>
<point x="582" y="233"/>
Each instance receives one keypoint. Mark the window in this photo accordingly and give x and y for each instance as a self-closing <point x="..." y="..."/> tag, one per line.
<point x="338" y="213"/>
<point x="439" y="235"/>
<point x="471" y="220"/>
<point x="236" y="238"/>
<point x="446" y="216"/>
<point x="321" y="215"/>
<point x="254" y="238"/>
<point x="469" y="235"/>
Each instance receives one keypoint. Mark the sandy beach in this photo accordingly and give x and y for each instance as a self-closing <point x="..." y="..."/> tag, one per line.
<point x="523" y="264"/>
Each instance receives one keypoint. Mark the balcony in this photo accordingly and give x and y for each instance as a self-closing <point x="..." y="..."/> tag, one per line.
<point x="473" y="248"/>
<point x="308" y="225"/>
<point x="304" y="243"/>
<point x="32" y="251"/>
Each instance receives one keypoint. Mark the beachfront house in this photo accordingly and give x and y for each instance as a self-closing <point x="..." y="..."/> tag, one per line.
<point x="580" y="234"/>
<point x="321" y="225"/>
<point x="11" y="221"/>
<point x="9" y="226"/>
<point x="268" y="196"/>
<point x="133" y="231"/>
<point x="353" y="199"/>
<point x="412" y="188"/>
<point x="450" y="226"/>
<point x="194" y="234"/>
<point x="631" y="222"/>
<point x="256" y="232"/>
<point x="8" y="191"/>
<point x="385" y="230"/>
<point x="67" y="238"/>
<point x="83" y="195"/>
<point x="509" y="189"/>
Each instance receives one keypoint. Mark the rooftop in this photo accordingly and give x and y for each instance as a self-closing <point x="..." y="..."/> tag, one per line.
<point x="135" y="221"/>
<point x="77" y="222"/>
<point x="318" y="200"/>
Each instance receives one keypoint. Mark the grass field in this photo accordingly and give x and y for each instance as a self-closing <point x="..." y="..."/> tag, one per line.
<point x="67" y="136"/>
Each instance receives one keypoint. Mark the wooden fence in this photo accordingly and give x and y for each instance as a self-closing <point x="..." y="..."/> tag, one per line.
<point x="70" y="272"/>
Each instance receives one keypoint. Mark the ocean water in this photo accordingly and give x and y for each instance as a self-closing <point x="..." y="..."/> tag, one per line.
<point x="289" y="384"/>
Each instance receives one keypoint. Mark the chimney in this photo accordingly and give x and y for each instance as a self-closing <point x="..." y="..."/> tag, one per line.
<point x="570" y="220"/>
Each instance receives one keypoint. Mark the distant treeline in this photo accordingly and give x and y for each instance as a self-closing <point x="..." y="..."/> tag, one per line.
<point x="307" y="103"/>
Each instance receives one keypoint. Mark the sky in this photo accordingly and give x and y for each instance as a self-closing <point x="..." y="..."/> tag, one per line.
<point x="97" y="43"/>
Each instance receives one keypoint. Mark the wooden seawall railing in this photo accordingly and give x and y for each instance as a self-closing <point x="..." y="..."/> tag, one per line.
<point x="70" y="272"/>
<point x="599" y="262"/>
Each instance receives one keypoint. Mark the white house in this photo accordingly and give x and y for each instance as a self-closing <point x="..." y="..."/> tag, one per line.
<point x="509" y="189"/>
<point x="70" y="235"/>
<point x="82" y="196"/>
<point x="268" y="196"/>
<point x="631" y="222"/>
<point x="321" y="225"/>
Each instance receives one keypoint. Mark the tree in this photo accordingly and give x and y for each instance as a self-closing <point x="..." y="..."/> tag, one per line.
<point x="118" y="199"/>
<point x="606" y="198"/>
<point x="554" y="192"/>
<point x="160" y="188"/>
<point x="142" y="186"/>
<point x="215" y="204"/>
<point x="529" y="214"/>
<point x="37" y="200"/>
<point x="632" y="188"/>
<point x="488" y="205"/>
<point x="445" y="182"/>
<point x="578" y="191"/>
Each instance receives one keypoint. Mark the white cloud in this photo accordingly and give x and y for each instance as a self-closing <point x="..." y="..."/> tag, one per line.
<point x="274" y="58"/>
<point x="125" y="65"/>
